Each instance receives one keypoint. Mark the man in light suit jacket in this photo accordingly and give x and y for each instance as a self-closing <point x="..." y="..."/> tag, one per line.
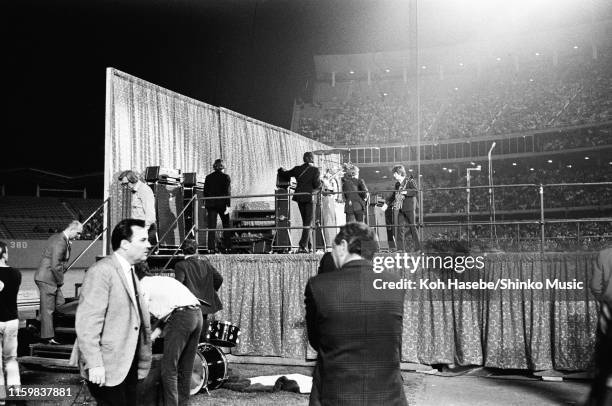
<point x="112" y="320"/>
<point x="355" y="328"/>
<point x="49" y="277"/>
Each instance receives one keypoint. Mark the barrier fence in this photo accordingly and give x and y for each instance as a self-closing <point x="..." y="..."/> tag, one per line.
<point x="519" y="217"/>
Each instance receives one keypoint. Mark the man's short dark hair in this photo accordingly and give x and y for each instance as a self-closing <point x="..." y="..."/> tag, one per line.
<point x="131" y="176"/>
<point x="218" y="165"/>
<point x="190" y="247"/>
<point x="399" y="169"/>
<point x="308" y="157"/>
<point x="359" y="238"/>
<point x="123" y="231"/>
<point x="2" y="248"/>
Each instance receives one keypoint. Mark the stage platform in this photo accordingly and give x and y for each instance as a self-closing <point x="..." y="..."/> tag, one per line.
<point x="525" y="327"/>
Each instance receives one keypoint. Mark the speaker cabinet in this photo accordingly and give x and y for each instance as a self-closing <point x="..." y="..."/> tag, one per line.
<point x="196" y="214"/>
<point x="151" y="174"/>
<point x="189" y="179"/>
<point x="282" y="218"/>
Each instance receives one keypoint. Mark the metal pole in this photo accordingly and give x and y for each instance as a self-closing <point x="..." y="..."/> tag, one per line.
<point x="541" y="218"/>
<point x="468" y="206"/>
<point x="491" y="209"/>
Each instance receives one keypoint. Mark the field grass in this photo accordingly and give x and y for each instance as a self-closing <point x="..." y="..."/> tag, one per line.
<point x="218" y="397"/>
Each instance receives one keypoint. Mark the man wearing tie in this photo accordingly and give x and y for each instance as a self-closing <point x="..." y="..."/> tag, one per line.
<point x="112" y="320"/>
<point x="49" y="277"/>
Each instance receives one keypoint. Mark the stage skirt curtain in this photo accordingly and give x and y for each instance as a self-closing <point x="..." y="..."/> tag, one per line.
<point x="264" y="295"/>
<point x="514" y="328"/>
<point x="148" y="125"/>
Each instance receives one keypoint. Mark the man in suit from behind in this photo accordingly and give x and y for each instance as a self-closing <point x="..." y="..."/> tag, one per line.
<point x="308" y="178"/>
<point x="601" y="288"/>
<point x="49" y="277"/>
<point x="112" y="320"/>
<point x="355" y="328"/>
<point x="218" y="184"/>
<point x="201" y="278"/>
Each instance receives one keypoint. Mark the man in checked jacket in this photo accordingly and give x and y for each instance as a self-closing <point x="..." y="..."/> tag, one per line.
<point x="355" y="328"/>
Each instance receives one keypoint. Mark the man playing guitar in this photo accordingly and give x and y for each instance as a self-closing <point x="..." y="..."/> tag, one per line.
<point x="404" y="204"/>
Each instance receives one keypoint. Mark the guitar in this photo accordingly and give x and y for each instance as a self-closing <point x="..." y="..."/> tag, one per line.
<point x="408" y="183"/>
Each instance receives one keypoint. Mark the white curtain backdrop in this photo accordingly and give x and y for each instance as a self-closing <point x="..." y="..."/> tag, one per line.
<point x="254" y="150"/>
<point x="147" y="125"/>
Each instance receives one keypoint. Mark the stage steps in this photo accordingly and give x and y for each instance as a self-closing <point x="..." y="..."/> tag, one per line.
<point x="61" y="351"/>
<point x="51" y="363"/>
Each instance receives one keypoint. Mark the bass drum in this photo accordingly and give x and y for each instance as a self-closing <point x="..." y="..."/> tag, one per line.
<point x="216" y="365"/>
<point x="199" y="374"/>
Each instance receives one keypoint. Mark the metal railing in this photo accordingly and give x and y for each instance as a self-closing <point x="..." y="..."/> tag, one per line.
<point x="461" y="221"/>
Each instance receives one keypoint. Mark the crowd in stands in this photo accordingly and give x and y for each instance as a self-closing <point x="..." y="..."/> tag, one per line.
<point x="498" y="101"/>
<point x="524" y="237"/>
<point x="38" y="217"/>
<point x="518" y="198"/>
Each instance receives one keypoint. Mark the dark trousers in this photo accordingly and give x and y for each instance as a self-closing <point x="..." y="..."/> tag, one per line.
<point x="307" y="213"/>
<point x="354" y="216"/>
<point x="153" y="235"/>
<point x="406" y="221"/>
<point x="126" y="393"/>
<point x="211" y="220"/>
<point x="390" y="220"/>
<point x="600" y="394"/>
<point x="182" y="334"/>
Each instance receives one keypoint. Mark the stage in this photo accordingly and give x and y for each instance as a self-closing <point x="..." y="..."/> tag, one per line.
<point x="523" y="328"/>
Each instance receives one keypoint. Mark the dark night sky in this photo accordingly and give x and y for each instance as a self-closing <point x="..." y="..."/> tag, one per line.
<point x="250" y="56"/>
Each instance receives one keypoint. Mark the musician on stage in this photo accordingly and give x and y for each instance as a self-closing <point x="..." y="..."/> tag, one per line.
<point x="308" y="178"/>
<point x="404" y="202"/>
<point x="355" y="195"/>
<point x="218" y="184"/>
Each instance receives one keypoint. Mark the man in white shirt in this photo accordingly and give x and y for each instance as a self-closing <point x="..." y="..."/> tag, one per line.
<point x="172" y="302"/>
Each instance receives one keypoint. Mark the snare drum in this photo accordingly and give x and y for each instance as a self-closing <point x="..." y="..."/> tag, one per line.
<point x="223" y="333"/>
<point x="199" y="374"/>
<point x="216" y="365"/>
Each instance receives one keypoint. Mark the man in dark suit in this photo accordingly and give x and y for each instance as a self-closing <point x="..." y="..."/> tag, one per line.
<point x="201" y="278"/>
<point x="216" y="184"/>
<point x="355" y="195"/>
<point x="355" y="328"/>
<point x="406" y="191"/>
<point x="49" y="277"/>
<point x="601" y="288"/>
<point x="112" y="320"/>
<point x="308" y="178"/>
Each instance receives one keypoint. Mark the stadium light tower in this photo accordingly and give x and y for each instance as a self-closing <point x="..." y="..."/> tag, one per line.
<point x="478" y="168"/>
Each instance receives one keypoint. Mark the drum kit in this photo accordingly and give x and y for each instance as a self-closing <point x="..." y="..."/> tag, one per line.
<point x="210" y="368"/>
